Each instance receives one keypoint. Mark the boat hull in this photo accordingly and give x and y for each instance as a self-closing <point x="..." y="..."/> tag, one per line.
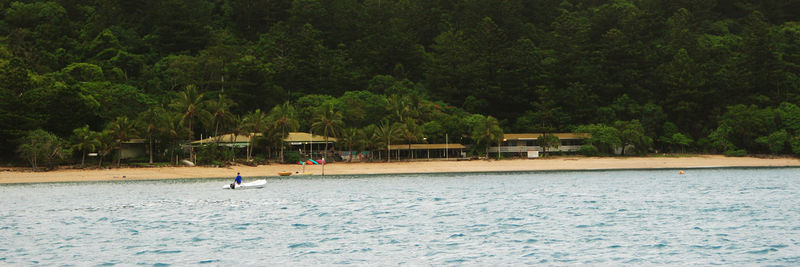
<point x="250" y="185"/>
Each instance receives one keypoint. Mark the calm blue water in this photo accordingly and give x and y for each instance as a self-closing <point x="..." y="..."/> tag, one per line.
<point x="711" y="216"/>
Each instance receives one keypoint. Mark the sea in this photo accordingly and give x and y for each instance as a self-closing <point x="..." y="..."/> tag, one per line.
<point x="715" y="216"/>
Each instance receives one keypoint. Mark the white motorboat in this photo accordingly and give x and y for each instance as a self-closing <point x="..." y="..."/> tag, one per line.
<point x="253" y="184"/>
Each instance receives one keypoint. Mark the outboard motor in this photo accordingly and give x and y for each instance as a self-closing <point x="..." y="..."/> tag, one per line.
<point x="233" y="185"/>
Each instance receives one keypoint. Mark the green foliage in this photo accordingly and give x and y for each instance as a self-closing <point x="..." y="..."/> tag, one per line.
<point x="40" y="147"/>
<point x="736" y="153"/>
<point x="84" y="140"/>
<point x="632" y="133"/>
<point x="794" y="142"/>
<point x="603" y="137"/>
<point x="681" y="140"/>
<point x="722" y="70"/>
<point x="548" y="141"/>
<point x="284" y="118"/>
<point x="589" y="151"/>
<point x="327" y="121"/>
<point x="485" y="131"/>
<point x="291" y="157"/>
<point x="212" y="154"/>
<point x="776" y="142"/>
<point x="385" y="134"/>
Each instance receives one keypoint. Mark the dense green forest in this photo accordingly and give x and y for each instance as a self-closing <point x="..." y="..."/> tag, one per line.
<point x="664" y="75"/>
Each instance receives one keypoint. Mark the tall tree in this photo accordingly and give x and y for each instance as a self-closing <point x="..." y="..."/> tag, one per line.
<point x="237" y="128"/>
<point x="387" y="132"/>
<point x="411" y="132"/>
<point x="123" y="130"/>
<point x="632" y="133"/>
<point x="39" y="145"/>
<point x="190" y="103"/>
<point x="349" y="139"/>
<point x="329" y="121"/>
<point x="174" y="129"/>
<point x="255" y="122"/>
<point x="284" y="117"/>
<point x="85" y="140"/>
<point x="150" y="123"/>
<point x="547" y="141"/>
<point x="486" y="131"/>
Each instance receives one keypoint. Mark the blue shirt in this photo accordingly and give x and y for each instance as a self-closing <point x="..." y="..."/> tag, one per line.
<point x="238" y="179"/>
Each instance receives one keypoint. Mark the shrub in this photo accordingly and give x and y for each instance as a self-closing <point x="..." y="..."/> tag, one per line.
<point x="589" y="150"/>
<point x="291" y="157"/>
<point x="210" y="154"/>
<point x="736" y="153"/>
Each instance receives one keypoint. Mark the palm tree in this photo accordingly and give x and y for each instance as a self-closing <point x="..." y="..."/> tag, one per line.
<point x="487" y="131"/>
<point x="85" y="140"/>
<point x="149" y="123"/>
<point x="123" y="130"/>
<point x="327" y="120"/>
<point x="369" y="139"/>
<point x="387" y="132"/>
<point x="237" y="128"/>
<point x="107" y="144"/>
<point x="174" y="128"/>
<point x="412" y="132"/>
<point x="218" y="114"/>
<point x="272" y="138"/>
<point x="401" y="107"/>
<point x="349" y="139"/>
<point x="190" y="104"/>
<point x="284" y="116"/>
<point x="255" y="122"/>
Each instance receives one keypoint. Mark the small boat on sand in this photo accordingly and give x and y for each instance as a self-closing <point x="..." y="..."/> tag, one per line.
<point x="285" y="173"/>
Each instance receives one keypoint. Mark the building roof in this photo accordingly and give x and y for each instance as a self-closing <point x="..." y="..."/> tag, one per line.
<point x="291" y="137"/>
<point x="225" y="138"/>
<point x="136" y="141"/>
<point x="535" y="136"/>
<point x="306" y="137"/>
<point x="427" y="146"/>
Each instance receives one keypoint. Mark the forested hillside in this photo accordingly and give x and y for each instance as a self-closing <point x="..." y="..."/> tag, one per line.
<point x="664" y="75"/>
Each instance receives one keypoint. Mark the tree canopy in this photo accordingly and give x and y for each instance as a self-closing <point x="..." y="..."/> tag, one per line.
<point x="661" y="75"/>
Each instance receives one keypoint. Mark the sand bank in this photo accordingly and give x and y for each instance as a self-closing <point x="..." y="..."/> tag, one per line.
<point x="342" y="168"/>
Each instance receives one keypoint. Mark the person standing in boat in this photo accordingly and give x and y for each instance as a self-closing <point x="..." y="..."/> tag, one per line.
<point x="238" y="179"/>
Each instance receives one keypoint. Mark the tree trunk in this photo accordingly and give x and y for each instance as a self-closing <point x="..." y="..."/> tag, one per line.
<point x="151" y="150"/>
<point x="283" y="136"/>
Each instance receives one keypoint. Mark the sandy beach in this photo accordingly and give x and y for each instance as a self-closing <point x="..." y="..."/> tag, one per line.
<point x="11" y="176"/>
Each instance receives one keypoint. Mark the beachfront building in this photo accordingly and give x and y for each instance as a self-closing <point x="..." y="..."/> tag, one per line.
<point x="406" y="152"/>
<point x="527" y="145"/>
<point x="133" y="148"/>
<point x="227" y="140"/>
<point x="308" y="145"/>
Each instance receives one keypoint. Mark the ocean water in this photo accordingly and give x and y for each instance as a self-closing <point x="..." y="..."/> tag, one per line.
<point x="656" y="217"/>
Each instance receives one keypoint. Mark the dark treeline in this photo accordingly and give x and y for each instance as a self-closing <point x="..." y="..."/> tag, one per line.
<point x="706" y="76"/>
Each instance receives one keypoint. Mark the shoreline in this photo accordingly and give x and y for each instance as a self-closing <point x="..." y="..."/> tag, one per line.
<point x="400" y="167"/>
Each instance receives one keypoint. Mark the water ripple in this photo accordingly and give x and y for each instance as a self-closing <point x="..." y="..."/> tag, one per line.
<point x="714" y="217"/>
